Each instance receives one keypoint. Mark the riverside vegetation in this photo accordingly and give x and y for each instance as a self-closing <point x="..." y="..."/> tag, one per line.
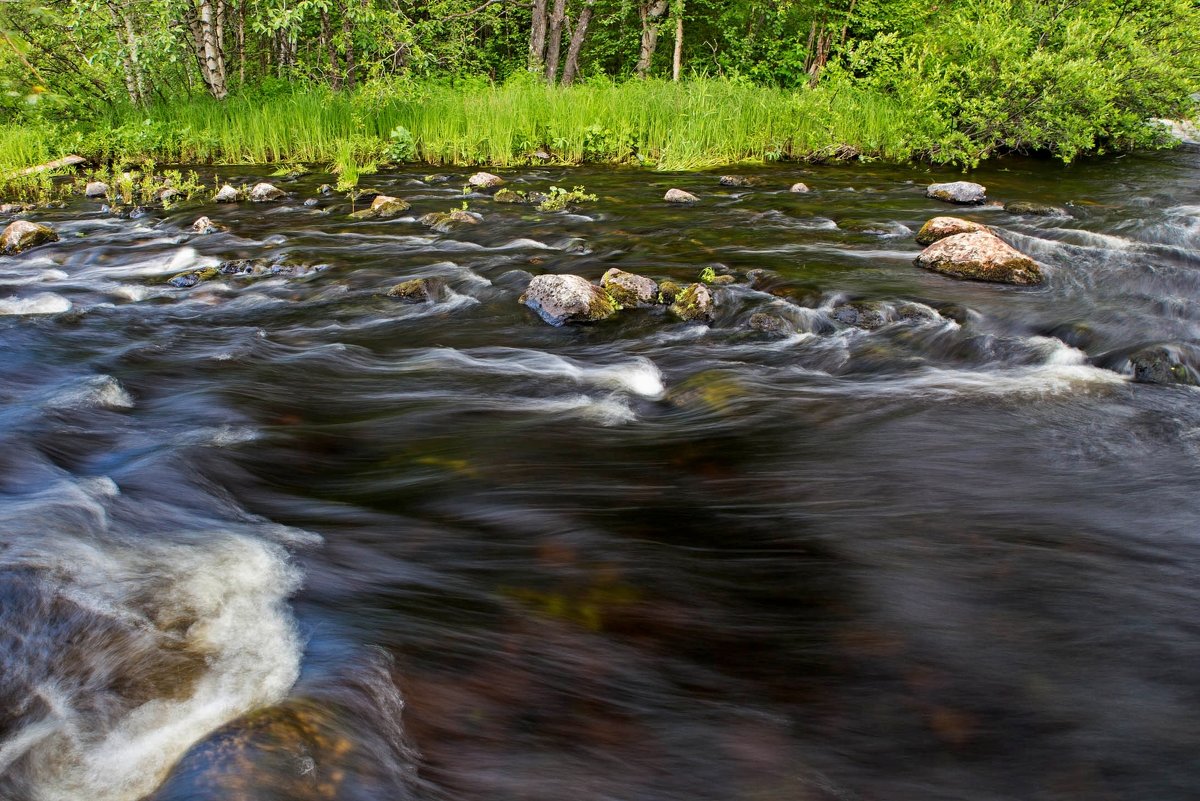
<point x="454" y="82"/>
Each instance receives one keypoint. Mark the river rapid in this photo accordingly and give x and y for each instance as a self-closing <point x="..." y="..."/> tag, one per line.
<point x="285" y="537"/>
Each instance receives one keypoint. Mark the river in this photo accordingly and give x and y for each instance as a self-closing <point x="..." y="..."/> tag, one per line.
<point x="289" y="538"/>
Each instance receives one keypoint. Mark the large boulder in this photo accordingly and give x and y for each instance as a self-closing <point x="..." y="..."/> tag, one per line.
<point x="629" y="289"/>
<point x="693" y="303"/>
<point x="381" y="208"/>
<point x="942" y="227"/>
<point x="958" y="192"/>
<point x="227" y="194"/>
<point x="262" y="192"/>
<point x="980" y="256"/>
<point x="22" y="234"/>
<point x="679" y="196"/>
<point x="560" y="299"/>
<point x="485" y="180"/>
<point x="1161" y="364"/>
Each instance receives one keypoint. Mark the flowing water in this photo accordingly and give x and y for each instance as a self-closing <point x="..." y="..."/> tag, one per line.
<point x="285" y="537"/>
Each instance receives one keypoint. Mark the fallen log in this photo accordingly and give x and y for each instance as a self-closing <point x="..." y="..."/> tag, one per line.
<point x="65" y="161"/>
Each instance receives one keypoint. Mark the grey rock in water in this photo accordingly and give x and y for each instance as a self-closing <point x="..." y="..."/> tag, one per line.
<point x="311" y="203"/>
<point x="485" y="180"/>
<point x="942" y="227"/>
<point x="203" y="225"/>
<point x="190" y="278"/>
<point x="980" y="256"/>
<point x="227" y="194"/>
<point x="560" y="299"/>
<point x="263" y="192"/>
<point x="865" y="314"/>
<point x="770" y="324"/>
<point x="382" y="207"/>
<point x="21" y="235"/>
<point x="509" y="196"/>
<point x="629" y="289"/>
<point x="799" y="187"/>
<point x="693" y="303"/>
<point x="679" y="196"/>
<point x="446" y="221"/>
<point x="964" y="192"/>
<point x="419" y="290"/>
<point x="95" y="189"/>
<point x="1161" y="364"/>
<point x="1034" y="209"/>
<point x="325" y="190"/>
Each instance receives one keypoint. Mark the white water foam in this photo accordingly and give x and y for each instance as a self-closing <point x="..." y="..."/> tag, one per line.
<point x="43" y="303"/>
<point x="214" y="592"/>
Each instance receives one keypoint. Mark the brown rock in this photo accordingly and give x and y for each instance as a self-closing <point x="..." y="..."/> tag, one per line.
<point x="629" y="289"/>
<point x="942" y="227"/>
<point x="560" y="299"/>
<point x="980" y="256"/>
<point x="23" y="234"/>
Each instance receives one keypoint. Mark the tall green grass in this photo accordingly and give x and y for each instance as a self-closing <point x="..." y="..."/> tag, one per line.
<point x="671" y="126"/>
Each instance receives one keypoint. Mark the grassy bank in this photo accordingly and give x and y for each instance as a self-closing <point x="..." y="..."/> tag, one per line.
<point x="684" y="126"/>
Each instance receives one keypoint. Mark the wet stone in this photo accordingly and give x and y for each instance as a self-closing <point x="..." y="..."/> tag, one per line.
<point x="799" y="188"/>
<point x="485" y="180"/>
<point x="771" y="324"/>
<point x="561" y="299"/>
<point x="1026" y="208"/>
<point x="264" y="192"/>
<point x="445" y="222"/>
<point x="190" y="278"/>
<point x="509" y="196"/>
<point x="203" y="225"/>
<point x="740" y="181"/>
<point x="942" y="227"/>
<point x="694" y="303"/>
<point x="964" y="192"/>
<point x="980" y="256"/>
<point x="419" y="290"/>
<point x="24" y="234"/>
<point x="227" y="194"/>
<point x="629" y="289"/>
<point x="382" y="208"/>
<point x="1161" y="364"/>
<point x="680" y="196"/>
<point x="311" y="202"/>
<point x="867" y="315"/>
<point x="668" y="291"/>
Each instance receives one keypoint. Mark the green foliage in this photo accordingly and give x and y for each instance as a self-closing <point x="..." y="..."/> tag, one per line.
<point x="402" y="146"/>
<point x="560" y="199"/>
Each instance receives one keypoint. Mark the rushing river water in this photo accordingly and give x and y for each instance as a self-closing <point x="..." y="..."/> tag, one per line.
<point x="287" y="538"/>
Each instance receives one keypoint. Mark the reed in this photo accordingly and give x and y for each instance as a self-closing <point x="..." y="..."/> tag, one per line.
<point x="697" y="124"/>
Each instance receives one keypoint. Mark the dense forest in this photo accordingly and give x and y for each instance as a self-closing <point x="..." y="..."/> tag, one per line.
<point x="944" y="80"/>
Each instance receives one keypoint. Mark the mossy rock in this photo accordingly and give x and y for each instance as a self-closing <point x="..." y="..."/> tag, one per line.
<point x="509" y="196"/>
<point x="668" y="291"/>
<point x="419" y="290"/>
<point x="20" y="235"/>
<point x="561" y="299"/>
<point x="190" y="278"/>
<point x="629" y="289"/>
<point x="693" y="304"/>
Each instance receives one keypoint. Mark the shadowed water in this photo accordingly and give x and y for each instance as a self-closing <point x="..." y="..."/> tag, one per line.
<point x="285" y="537"/>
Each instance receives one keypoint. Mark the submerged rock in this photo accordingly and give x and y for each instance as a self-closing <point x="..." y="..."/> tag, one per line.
<point x="325" y="190"/>
<point x="980" y="256"/>
<point x="942" y="227"/>
<point x="1161" y="364"/>
<point x="381" y="208"/>
<point x="679" y="196"/>
<point x="23" y="234"/>
<point x="799" y="187"/>
<point x="864" y="314"/>
<point x="629" y="289"/>
<point x="560" y="299"/>
<point x="95" y="189"/>
<point x="446" y="221"/>
<point x="263" y="192"/>
<point x="964" y="192"/>
<point x="419" y="290"/>
<point x="227" y="194"/>
<point x="509" y="196"/>
<point x="771" y="324"/>
<point x="740" y="181"/>
<point x="693" y="303"/>
<point x="203" y="225"/>
<point x="311" y="203"/>
<point x="485" y="180"/>
<point x="190" y="278"/>
<point x="1034" y="209"/>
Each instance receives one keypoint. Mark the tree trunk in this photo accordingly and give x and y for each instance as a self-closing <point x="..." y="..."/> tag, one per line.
<point x="123" y="29"/>
<point x="197" y="41"/>
<point x="537" y="36"/>
<point x="554" y="39"/>
<point x="571" y="68"/>
<point x="241" y="42"/>
<point x="213" y="60"/>
<point x="650" y="13"/>
<point x="677" y="60"/>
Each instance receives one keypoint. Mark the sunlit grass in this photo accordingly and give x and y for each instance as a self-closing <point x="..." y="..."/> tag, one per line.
<point x="672" y="126"/>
